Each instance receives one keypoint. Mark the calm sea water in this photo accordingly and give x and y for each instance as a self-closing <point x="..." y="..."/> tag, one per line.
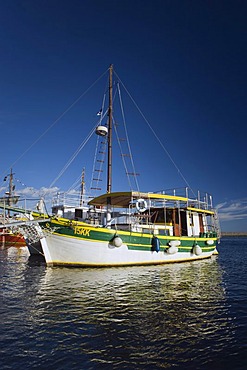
<point x="182" y="316"/>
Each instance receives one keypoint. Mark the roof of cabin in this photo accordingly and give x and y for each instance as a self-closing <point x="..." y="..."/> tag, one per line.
<point x="123" y="199"/>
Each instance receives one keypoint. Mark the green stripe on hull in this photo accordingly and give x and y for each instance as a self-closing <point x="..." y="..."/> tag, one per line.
<point x="180" y="249"/>
<point x="132" y="240"/>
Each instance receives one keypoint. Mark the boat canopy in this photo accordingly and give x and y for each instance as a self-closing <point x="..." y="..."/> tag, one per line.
<point x="124" y="199"/>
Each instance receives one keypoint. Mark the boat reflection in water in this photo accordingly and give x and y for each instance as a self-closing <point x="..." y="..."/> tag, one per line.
<point x="133" y="317"/>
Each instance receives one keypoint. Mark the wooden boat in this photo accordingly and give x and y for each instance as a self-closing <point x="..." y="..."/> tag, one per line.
<point x="133" y="227"/>
<point x="129" y="227"/>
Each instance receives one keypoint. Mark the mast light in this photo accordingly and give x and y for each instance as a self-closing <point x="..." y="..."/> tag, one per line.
<point x="101" y="131"/>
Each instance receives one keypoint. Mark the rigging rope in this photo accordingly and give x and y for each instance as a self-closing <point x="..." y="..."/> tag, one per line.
<point x="120" y="147"/>
<point x="76" y="185"/>
<point x="56" y="120"/>
<point x="92" y="131"/>
<point x="73" y="157"/>
<point x="83" y="143"/>
<point x="102" y="116"/>
<point x="94" y="160"/>
<point x="127" y="137"/>
<point x="154" y="133"/>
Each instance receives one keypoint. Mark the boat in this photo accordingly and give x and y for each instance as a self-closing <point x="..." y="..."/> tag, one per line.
<point x="8" y="237"/>
<point x="127" y="228"/>
<point x="132" y="227"/>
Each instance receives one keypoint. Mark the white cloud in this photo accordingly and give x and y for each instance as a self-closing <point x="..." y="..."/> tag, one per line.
<point x="30" y="196"/>
<point x="3" y="189"/>
<point x="37" y="193"/>
<point x="233" y="210"/>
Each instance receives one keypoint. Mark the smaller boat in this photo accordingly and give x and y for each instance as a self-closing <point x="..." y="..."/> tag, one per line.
<point x="8" y="237"/>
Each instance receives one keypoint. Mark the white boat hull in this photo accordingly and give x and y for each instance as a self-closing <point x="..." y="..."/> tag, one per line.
<point x="61" y="250"/>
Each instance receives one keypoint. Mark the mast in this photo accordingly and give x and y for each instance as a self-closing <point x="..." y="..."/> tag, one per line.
<point x="109" y="164"/>
<point x="10" y="190"/>
<point x="10" y="185"/>
<point x="82" y="186"/>
<point x="103" y="131"/>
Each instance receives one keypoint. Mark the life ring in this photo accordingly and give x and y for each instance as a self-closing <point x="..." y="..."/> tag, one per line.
<point x="141" y="205"/>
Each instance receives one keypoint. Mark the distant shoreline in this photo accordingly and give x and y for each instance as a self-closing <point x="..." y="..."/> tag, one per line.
<point x="229" y="233"/>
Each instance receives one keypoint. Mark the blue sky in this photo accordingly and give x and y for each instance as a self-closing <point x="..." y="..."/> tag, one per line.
<point x="184" y="64"/>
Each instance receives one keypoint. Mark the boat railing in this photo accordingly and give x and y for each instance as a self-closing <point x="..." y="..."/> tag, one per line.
<point x="22" y="212"/>
<point x="201" y="200"/>
<point x="67" y="199"/>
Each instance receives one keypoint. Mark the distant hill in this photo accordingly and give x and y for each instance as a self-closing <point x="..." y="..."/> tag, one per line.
<point x="233" y="233"/>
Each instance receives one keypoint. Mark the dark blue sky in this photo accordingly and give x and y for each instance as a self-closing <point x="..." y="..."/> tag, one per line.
<point x="184" y="63"/>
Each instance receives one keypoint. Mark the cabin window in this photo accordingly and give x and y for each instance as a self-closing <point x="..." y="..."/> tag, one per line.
<point x="183" y="223"/>
<point x="164" y="232"/>
<point x="147" y="231"/>
<point x="78" y="214"/>
<point x="201" y="223"/>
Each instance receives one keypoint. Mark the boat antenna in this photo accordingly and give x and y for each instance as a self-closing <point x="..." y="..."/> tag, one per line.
<point x="109" y="165"/>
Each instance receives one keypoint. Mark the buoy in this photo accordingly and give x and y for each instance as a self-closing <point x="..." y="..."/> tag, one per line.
<point x="117" y="242"/>
<point x="197" y="250"/>
<point x="101" y="131"/>
<point x="155" y="244"/>
<point x="210" y="242"/>
<point x="172" y="250"/>
<point x="141" y="205"/>
<point x="174" y="243"/>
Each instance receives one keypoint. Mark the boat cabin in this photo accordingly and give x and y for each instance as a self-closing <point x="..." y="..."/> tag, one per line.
<point x="157" y="213"/>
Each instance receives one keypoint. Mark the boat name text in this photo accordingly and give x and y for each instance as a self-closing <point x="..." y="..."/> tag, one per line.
<point x="81" y="231"/>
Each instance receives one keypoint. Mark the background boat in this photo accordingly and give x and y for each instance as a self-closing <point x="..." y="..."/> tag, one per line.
<point x="7" y="236"/>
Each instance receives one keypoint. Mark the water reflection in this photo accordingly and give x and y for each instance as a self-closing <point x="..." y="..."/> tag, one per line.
<point x="152" y="308"/>
<point x="125" y="317"/>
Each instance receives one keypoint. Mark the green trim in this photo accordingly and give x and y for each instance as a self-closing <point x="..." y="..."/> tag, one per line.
<point x="134" y="241"/>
